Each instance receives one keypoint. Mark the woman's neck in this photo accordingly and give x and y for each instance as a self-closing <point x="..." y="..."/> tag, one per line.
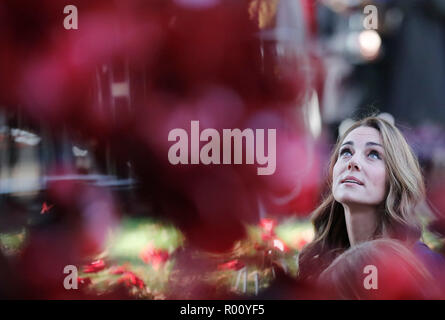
<point x="361" y="223"/>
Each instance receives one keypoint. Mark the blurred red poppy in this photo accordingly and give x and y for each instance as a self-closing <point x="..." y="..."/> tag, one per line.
<point x="268" y="225"/>
<point x="231" y="265"/>
<point x="268" y="229"/>
<point x="45" y="208"/>
<point x="153" y="256"/>
<point x="94" y="266"/>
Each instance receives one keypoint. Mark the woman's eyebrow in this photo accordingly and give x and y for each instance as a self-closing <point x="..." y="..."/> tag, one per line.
<point x="370" y="143"/>
<point x="373" y="144"/>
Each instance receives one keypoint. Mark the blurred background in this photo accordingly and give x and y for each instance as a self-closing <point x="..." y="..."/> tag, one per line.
<point x="85" y="115"/>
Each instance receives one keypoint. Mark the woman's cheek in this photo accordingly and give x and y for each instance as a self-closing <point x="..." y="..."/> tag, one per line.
<point x="382" y="185"/>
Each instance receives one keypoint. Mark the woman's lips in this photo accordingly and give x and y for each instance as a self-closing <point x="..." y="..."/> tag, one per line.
<point x="351" y="183"/>
<point x="351" y="180"/>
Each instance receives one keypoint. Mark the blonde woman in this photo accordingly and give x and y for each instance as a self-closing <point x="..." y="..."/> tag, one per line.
<point x="375" y="185"/>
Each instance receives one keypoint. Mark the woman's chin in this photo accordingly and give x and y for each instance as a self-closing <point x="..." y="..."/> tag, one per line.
<point x="352" y="201"/>
<point x="347" y="198"/>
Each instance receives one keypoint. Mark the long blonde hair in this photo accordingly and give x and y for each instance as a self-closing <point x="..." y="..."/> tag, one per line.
<point x="406" y="190"/>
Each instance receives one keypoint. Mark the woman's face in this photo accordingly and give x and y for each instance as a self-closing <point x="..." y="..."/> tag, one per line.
<point x="359" y="175"/>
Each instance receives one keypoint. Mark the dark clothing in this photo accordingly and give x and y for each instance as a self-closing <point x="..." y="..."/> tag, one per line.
<point x="315" y="263"/>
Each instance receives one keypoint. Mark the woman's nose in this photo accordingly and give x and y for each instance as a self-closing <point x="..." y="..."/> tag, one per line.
<point x="353" y="165"/>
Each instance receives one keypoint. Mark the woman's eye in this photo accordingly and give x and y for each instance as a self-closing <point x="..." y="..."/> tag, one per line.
<point x="374" y="154"/>
<point x="345" y="151"/>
